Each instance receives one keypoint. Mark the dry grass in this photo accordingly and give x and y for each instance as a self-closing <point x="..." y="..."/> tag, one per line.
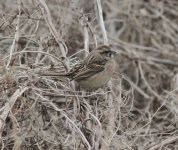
<point x="139" y="108"/>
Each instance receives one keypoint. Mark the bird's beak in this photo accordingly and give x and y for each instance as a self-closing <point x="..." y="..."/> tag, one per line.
<point x="114" y="53"/>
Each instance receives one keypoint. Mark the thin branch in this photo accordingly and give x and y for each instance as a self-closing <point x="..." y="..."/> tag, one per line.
<point x="8" y="106"/>
<point x="47" y="16"/>
<point x="101" y="22"/>
<point x="16" y="36"/>
<point x="164" y="142"/>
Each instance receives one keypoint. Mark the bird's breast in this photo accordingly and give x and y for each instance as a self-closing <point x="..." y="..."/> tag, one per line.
<point x="99" y="79"/>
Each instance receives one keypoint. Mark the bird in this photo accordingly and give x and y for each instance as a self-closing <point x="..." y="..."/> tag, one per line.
<point x="94" y="71"/>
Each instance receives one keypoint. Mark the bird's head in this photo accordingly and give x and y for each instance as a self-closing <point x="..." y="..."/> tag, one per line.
<point x="105" y="51"/>
<point x="102" y="54"/>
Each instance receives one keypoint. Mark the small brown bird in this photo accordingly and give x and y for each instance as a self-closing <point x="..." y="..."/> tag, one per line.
<point x="94" y="71"/>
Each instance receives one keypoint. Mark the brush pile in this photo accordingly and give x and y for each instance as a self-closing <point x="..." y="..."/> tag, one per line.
<point x="138" y="110"/>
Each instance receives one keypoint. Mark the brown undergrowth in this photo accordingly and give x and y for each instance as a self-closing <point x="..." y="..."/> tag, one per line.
<point x="136" y="111"/>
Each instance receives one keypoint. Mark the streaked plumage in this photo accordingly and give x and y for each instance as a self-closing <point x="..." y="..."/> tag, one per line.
<point x="94" y="71"/>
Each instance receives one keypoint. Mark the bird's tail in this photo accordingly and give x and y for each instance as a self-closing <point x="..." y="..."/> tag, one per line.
<point x="54" y="74"/>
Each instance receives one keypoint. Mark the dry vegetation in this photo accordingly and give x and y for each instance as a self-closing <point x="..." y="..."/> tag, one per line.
<point x="137" y="111"/>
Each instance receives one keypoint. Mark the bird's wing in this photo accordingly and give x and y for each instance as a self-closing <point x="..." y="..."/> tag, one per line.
<point x="88" y="71"/>
<point x="95" y="58"/>
<point x="91" y="65"/>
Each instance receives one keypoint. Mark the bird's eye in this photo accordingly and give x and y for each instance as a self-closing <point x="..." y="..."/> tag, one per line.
<point x="109" y="54"/>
